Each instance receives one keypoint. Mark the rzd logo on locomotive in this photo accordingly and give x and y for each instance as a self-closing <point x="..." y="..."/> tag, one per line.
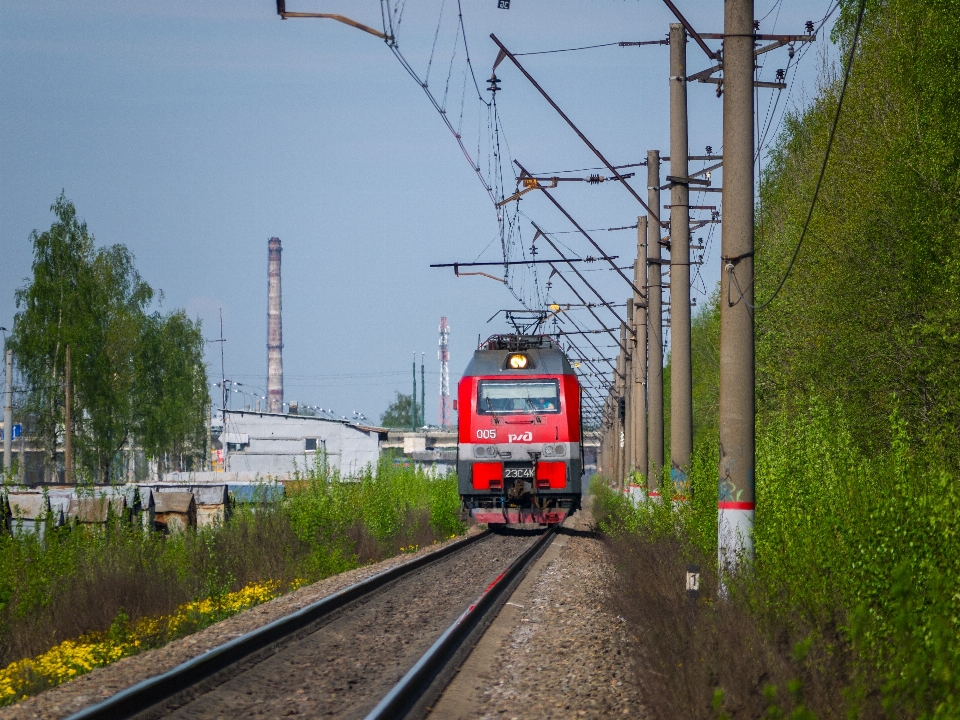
<point x="526" y="437"/>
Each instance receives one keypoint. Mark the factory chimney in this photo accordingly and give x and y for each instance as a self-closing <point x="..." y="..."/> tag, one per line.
<point x="274" y="329"/>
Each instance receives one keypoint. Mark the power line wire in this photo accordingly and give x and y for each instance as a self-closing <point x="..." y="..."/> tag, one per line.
<point x="823" y="169"/>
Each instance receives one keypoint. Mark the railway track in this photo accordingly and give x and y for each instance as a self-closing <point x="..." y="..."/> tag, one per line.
<point x="382" y="648"/>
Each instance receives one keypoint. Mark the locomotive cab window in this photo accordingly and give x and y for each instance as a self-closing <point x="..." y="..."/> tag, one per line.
<point x="495" y="397"/>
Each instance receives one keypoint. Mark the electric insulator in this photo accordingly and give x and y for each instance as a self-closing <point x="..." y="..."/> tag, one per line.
<point x="809" y="26"/>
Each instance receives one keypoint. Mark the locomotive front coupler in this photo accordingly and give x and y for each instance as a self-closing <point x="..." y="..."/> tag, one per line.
<point x="535" y="456"/>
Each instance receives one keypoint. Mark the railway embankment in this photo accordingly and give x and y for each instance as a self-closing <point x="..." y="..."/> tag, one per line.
<point x="558" y="648"/>
<point x="75" y="598"/>
<point x="64" y="700"/>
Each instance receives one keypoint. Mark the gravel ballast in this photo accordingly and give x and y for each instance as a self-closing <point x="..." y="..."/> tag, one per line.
<point x="556" y="650"/>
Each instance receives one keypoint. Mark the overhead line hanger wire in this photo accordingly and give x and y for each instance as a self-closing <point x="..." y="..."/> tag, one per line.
<point x="602" y="45"/>
<point x="599" y="321"/>
<point x="823" y="170"/>
<point x="582" y="232"/>
<point x="565" y="259"/>
<point x="504" y="53"/>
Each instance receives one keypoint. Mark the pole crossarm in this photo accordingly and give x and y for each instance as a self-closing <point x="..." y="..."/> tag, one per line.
<point x="603" y="302"/>
<point x="585" y="234"/>
<point x="601" y="355"/>
<point x="616" y="175"/>
<point x="599" y="321"/>
<point x="691" y="176"/>
<point x="778" y="42"/>
<point x="693" y="33"/>
<point x="284" y="14"/>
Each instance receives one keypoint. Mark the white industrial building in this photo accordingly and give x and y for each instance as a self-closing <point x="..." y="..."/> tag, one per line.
<point x="273" y="444"/>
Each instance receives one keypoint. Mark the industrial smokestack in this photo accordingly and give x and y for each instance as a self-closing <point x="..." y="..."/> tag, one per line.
<point x="274" y="329"/>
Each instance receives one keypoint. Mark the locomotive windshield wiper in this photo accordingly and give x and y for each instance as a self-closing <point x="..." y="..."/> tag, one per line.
<point x="532" y="407"/>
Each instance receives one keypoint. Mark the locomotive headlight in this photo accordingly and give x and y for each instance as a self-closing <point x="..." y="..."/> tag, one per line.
<point x="559" y="450"/>
<point x="547" y="450"/>
<point x="517" y="361"/>
<point x="479" y="451"/>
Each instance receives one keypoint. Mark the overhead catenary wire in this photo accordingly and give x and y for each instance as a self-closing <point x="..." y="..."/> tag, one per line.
<point x="593" y="47"/>
<point x="506" y="53"/>
<point x="489" y="169"/>
<point x="583" y="232"/>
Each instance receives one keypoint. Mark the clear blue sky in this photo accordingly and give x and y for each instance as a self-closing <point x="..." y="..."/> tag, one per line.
<point x="194" y="131"/>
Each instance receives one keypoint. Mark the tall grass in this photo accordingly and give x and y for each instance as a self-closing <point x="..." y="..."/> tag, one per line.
<point x="76" y="580"/>
<point x="856" y="554"/>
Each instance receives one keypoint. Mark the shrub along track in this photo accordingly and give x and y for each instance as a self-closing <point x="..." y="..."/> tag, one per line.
<point x="344" y="667"/>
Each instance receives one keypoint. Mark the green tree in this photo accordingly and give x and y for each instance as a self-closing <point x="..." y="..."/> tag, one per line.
<point x="95" y="301"/>
<point x="171" y="394"/>
<point x="398" y="412"/>
<point x="705" y="356"/>
<point x="869" y="315"/>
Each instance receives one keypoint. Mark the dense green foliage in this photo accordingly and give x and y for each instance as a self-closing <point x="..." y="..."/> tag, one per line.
<point x="78" y="579"/>
<point x="870" y="314"/>
<point x="705" y="356"/>
<point x="399" y="413"/>
<point x="133" y="373"/>
<point x="858" y="393"/>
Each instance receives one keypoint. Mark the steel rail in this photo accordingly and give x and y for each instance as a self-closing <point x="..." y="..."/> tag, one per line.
<point x="153" y="691"/>
<point x="426" y="680"/>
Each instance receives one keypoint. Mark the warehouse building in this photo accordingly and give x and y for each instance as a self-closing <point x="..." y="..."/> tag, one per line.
<point x="273" y="444"/>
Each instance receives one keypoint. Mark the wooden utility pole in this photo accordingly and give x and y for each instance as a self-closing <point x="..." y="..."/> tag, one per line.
<point x="736" y="503"/>
<point x="640" y="352"/>
<point x="68" y="425"/>
<point x="654" y="286"/>
<point x="681" y="372"/>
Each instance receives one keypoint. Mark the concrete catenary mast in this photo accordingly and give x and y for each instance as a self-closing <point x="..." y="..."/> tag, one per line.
<point x="274" y="329"/>
<point x="737" y="412"/>
<point x="444" y="355"/>
<point x="8" y="417"/>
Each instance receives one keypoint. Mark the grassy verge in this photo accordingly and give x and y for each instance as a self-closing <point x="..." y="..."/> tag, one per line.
<point x="82" y="597"/>
<point x="852" y="608"/>
<point x="72" y="658"/>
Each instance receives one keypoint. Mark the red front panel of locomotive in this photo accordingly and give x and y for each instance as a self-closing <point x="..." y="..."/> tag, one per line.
<point x="539" y="409"/>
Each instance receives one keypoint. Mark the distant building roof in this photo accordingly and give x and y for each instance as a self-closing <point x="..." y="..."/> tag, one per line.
<point x="312" y="418"/>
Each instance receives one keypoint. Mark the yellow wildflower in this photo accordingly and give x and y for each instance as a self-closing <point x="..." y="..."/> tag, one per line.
<point x="72" y="658"/>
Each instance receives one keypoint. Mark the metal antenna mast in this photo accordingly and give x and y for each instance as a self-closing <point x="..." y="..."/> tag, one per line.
<point x="444" y="356"/>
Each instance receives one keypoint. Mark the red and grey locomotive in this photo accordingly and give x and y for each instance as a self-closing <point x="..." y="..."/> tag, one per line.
<point x="519" y="445"/>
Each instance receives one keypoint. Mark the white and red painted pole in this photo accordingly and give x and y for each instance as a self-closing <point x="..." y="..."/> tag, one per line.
<point x="736" y="501"/>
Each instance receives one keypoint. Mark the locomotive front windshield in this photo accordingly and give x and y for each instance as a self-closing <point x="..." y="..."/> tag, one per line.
<point x="518" y="397"/>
